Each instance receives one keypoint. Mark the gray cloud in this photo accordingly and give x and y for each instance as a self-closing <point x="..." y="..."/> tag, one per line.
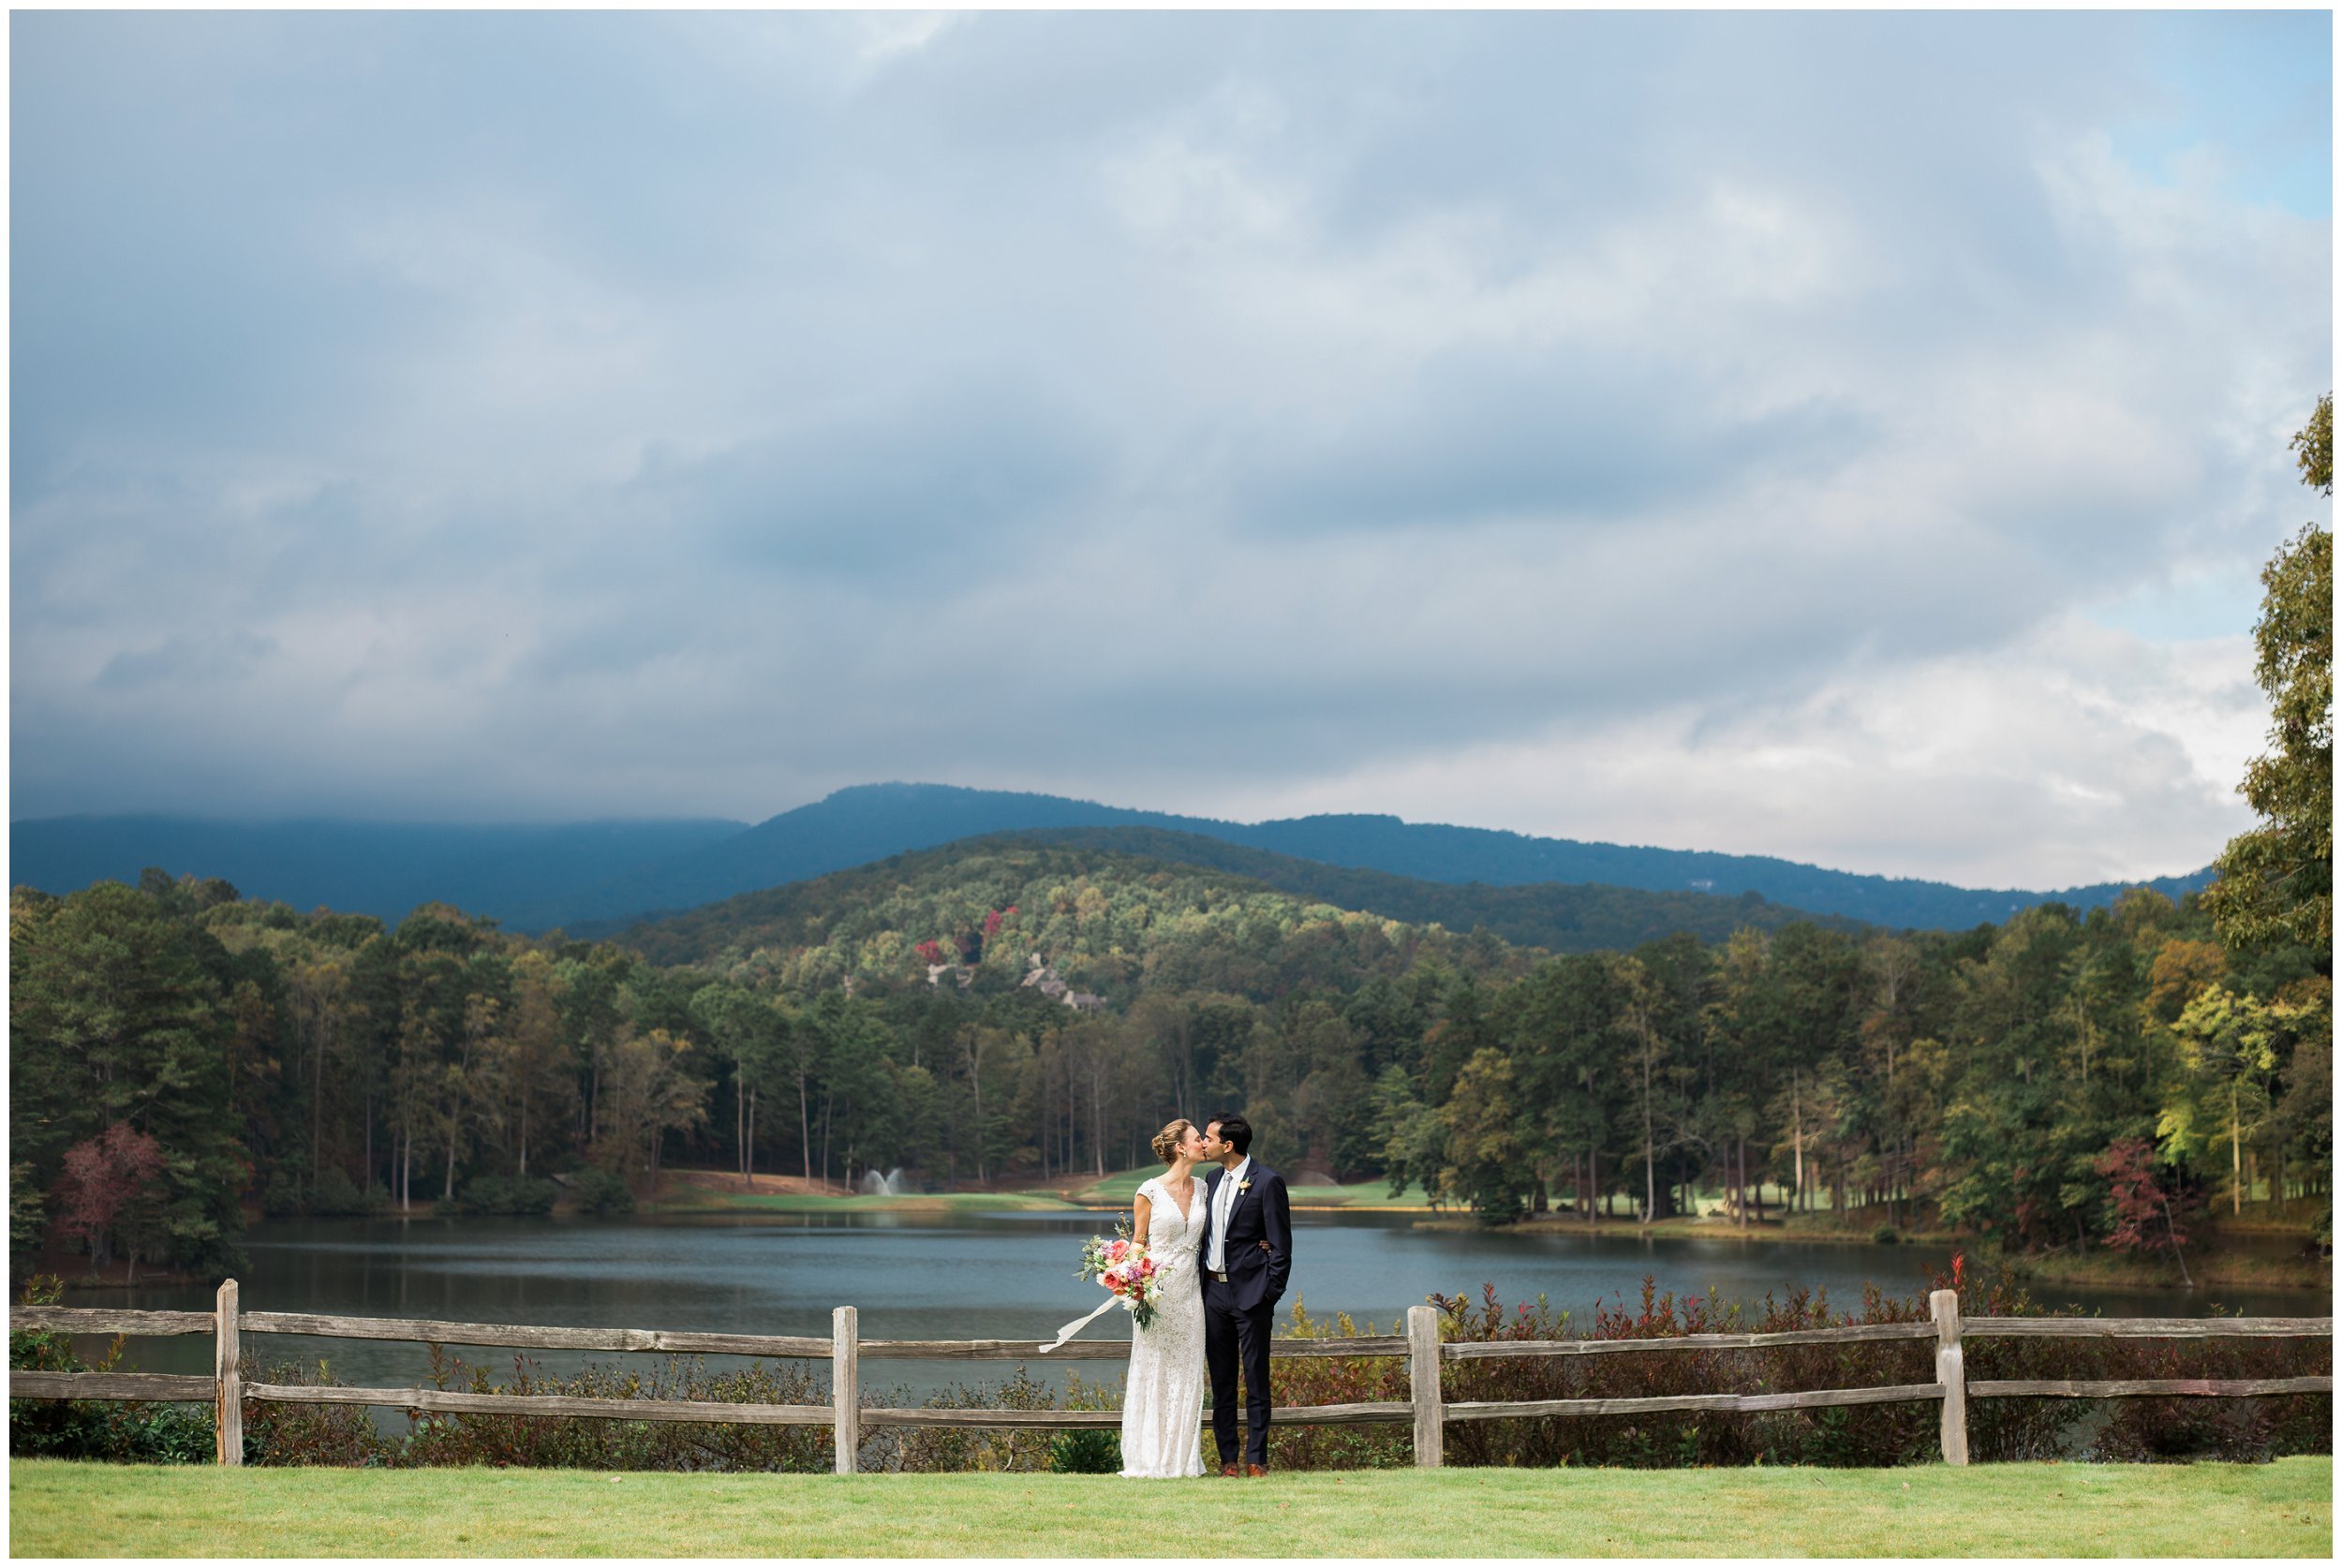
<point x="532" y="415"/>
<point x="950" y="473"/>
<point x="224" y="655"/>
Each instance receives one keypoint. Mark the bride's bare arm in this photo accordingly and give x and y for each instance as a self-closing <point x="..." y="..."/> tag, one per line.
<point x="1140" y="1210"/>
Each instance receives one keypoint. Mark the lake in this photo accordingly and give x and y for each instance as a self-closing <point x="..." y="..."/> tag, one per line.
<point x="961" y="1276"/>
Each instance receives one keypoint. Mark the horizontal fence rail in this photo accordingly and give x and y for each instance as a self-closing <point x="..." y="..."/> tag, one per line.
<point x="1852" y="1334"/>
<point x="431" y="1331"/>
<point x="845" y="1350"/>
<point x="1497" y="1409"/>
<point x="2125" y="1388"/>
<point x="2149" y="1329"/>
<point x="109" y="1319"/>
<point x="545" y="1404"/>
<point x="158" y="1386"/>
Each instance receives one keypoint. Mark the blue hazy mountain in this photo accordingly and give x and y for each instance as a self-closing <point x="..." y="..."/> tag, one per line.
<point x="869" y="821"/>
<point x="378" y="868"/>
<point x="535" y="878"/>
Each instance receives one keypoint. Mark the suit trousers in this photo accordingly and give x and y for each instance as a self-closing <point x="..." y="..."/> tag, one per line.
<point x="1233" y="1337"/>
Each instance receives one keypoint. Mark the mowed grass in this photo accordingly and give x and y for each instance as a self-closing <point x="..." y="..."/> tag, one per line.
<point x="1114" y="1191"/>
<point x="1122" y="1186"/>
<point x="64" y="1509"/>
<point x="702" y="1202"/>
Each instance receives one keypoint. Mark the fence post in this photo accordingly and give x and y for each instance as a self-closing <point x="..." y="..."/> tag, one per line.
<point x="1423" y="1378"/>
<point x="228" y="1398"/>
<point x="1950" y="1373"/>
<point x="845" y="1384"/>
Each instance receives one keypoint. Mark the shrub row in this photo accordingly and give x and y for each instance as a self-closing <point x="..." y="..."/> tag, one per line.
<point x="1858" y="1435"/>
<point x="123" y="1430"/>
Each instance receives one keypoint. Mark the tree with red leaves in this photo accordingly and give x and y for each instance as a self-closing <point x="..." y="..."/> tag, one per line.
<point x="930" y="952"/>
<point x="2139" y="1201"/>
<point x="104" y="1180"/>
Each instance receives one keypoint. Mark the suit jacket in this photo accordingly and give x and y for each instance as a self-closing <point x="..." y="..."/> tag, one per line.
<point x="1261" y="1213"/>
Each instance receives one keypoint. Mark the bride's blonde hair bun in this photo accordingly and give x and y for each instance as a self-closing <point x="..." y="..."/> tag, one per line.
<point x="1167" y="1142"/>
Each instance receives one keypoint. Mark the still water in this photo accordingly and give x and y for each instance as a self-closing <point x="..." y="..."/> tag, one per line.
<point x="966" y="1276"/>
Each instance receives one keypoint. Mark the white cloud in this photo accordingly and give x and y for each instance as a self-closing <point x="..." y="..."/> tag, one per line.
<point x="2074" y="756"/>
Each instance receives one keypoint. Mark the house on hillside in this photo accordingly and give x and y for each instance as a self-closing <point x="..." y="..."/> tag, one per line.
<point x="1046" y="981"/>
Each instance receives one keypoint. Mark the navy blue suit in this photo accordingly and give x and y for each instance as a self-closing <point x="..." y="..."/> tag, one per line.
<point x="1240" y="1310"/>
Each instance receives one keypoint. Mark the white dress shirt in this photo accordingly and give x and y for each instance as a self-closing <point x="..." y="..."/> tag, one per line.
<point x="1223" y="1204"/>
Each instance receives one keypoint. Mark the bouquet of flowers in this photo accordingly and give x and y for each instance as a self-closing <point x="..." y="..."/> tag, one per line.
<point x="1123" y="1267"/>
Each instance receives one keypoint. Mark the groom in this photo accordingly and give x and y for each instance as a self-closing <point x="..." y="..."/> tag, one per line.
<point x="1247" y="1257"/>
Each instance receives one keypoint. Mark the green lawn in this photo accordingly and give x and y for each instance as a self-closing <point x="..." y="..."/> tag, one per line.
<point x="706" y="1201"/>
<point x="1122" y="1187"/>
<point x="1116" y="1190"/>
<point x="62" y="1509"/>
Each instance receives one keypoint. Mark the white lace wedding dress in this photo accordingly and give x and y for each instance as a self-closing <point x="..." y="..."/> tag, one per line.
<point x="1163" y="1403"/>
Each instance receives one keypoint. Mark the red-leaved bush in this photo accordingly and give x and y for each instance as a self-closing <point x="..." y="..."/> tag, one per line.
<point x="2143" y="1217"/>
<point x="105" y="1178"/>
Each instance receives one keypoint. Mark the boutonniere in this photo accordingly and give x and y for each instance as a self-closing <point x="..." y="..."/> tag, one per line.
<point x="1244" y="1186"/>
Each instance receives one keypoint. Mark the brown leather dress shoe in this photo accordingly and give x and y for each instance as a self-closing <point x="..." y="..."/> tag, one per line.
<point x="1231" y="1471"/>
<point x="1256" y="1469"/>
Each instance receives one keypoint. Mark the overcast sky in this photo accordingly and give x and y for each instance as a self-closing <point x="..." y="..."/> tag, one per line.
<point x="1847" y="437"/>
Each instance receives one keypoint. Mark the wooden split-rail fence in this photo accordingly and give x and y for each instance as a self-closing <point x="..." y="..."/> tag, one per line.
<point x="845" y="1350"/>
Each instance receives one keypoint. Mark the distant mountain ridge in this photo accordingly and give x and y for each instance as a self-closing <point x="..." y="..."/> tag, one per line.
<point x="536" y="877"/>
<point x="378" y="868"/>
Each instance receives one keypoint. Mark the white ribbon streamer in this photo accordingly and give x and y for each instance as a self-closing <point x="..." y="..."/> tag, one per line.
<point x="1081" y="1322"/>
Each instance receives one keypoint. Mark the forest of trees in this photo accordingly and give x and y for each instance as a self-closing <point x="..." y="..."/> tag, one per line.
<point x="1560" y="917"/>
<point x="178" y="1052"/>
<point x="322" y="1062"/>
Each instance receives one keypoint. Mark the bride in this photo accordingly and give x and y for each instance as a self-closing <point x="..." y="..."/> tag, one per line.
<point x="1163" y="1403"/>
